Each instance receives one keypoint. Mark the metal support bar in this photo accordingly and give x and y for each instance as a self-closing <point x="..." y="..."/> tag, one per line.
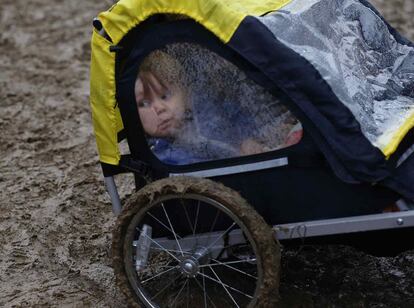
<point x="201" y="241"/>
<point x="345" y="225"/>
<point x="279" y="162"/>
<point x="113" y="193"/>
<point x="307" y="229"/>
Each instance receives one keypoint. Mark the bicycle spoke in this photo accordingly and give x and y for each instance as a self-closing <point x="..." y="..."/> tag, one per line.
<point x="196" y="218"/>
<point x="156" y="243"/>
<point x="231" y="288"/>
<point x="188" y="295"/>
<point x="223" y="234"/>
<point x="179" y="292"/>
<point x="205" y="293"/>
<point x="175" y="235"/>
<point x="163" y="289"/>
<point x="224" y="287"/>
<point x="230" y="262"/>
<point x="159" y="274"/>
<point x="170" y="250"/>
<point x="187" y="216"/>
<point x="215" y="220"/>
<point x="213" y="224"/>
<point x="235" y="269"/>
<point x="162" y="224"/>
<point x="204" y="289"/>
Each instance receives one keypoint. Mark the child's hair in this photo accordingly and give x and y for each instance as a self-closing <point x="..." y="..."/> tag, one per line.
<point x="165" y="68"/>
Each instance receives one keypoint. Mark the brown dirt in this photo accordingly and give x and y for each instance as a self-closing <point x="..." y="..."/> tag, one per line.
<point x="55" y="217"/>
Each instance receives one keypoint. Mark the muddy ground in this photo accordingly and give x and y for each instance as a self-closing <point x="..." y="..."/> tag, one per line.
<point x="55" y="217"/>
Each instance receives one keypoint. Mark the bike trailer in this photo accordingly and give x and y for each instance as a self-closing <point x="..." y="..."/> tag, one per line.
<point x="303" y="109"/>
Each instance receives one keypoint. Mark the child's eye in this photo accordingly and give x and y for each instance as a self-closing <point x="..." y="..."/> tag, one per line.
<point x="166" y="95"/>
<point x="144" y="103"/>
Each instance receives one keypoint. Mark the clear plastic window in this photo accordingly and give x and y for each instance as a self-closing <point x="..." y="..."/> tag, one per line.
<point x="196" y="106"/>
<point x="355" y="53"/>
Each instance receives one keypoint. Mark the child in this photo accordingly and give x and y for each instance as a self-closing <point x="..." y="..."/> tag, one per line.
<point x="162" y="94"/>
<point x="161" y="97"/>
<point x="180" y="135"/>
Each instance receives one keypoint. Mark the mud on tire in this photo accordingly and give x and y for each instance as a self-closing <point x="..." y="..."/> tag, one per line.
<point x="255" y="230"/>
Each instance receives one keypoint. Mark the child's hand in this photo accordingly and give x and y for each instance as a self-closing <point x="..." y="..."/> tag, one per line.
<point x="295" y="135"/>
<point x="250" y="147"/>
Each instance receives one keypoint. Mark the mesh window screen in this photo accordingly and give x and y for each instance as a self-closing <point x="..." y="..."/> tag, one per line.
<point x="196" y="106"/>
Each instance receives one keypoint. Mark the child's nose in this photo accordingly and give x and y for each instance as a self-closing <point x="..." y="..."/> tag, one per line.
<point x="159" y="106"/>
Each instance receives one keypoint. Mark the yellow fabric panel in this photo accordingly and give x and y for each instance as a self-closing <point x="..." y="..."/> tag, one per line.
<point x="220" y="17"/>
<point x="105" y="116"/>
<point x="255" y="7"/>
<point x="399" y="136"/>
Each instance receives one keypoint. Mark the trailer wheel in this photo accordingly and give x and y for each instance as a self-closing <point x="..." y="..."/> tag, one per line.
<point x="182" y="242"/>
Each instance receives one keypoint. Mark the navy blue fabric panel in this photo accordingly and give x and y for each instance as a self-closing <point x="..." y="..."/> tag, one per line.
<point x="402" y="179"/>
<point x="306" y="87"/>
<point x="292" y="194"/>
<point x="140" y="42"/>
<point x="403" y="147"/>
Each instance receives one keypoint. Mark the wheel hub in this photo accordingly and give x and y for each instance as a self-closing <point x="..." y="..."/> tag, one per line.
<point x="189" y="267"/>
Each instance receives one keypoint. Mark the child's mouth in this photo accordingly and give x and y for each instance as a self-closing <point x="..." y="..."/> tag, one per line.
<point x="164" y="125"/>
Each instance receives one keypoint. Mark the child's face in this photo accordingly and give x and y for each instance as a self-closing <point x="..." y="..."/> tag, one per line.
<point x="161" y="106"/>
